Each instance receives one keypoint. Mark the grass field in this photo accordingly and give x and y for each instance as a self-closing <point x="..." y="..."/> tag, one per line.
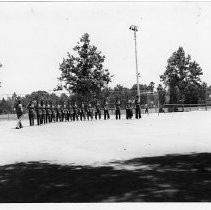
<point x="156" y="158"/>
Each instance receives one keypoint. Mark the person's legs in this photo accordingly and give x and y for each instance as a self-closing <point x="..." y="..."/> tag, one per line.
<point x="30" y="121"/>
<point x="84" y="116"/>
<point x="139" y="113"/>
<point x="19" y="124"/>
<point x="108" y="115"/>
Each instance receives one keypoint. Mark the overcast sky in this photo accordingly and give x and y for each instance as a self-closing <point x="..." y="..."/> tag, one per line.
<point x="34" y="38"/>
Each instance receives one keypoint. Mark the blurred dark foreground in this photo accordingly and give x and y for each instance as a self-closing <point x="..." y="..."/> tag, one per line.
<point x="170" y="178"/>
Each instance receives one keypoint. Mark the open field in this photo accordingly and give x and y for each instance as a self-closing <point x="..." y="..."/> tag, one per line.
<point x="88" y="142"/>
<point x="108" y="161"/>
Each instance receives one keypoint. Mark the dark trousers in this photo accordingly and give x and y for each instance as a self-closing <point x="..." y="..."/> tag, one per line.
<point x="49" y="118"/>
<point x="138" y="113"/>
<point x="118" y="114"/>
<point x="44" y="118"/>
<point x="98" y="113"/>
<point x="89" y="115"/>
<point x="63" y="117"/>
<point x="67" y="116"/>
<point x="70" y="116"/>
<point x="129" y="113"/>
<point x="75" y="116"/>
<point x="82" y="116"/>
<point x="58" y="118"/>
<point x="39" y="119"/>
<point x="106" y="114"/>
<point x="31" y="119"/>
<point x="53" y="118"/>
<point x="19" y="123"/>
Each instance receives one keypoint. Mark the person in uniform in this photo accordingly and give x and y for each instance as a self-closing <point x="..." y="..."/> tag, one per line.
<point x="70" y="112"/>
<point x="129" y="110"/>
<point x="137" y="107"/>
<point x="19" y="112"/>
<point x="75" y="112"/>
<point x="49" y="112"/>
<point x="65" y="112"/>
<point x="31" y="112"/>
<point x="39" y="113"/>
<point x="82" y="112"/>
<point x="117" y="109"/>
<point x="97" y="110"/>
<point x="62" y="113"/>
<point x="59" y="113"/>
<point x="106" y="111"/>
<point x="46" y="110"/>
<point x="89" y="111"/>
<point x="54" y="112"/>
<point x="43" y="112"/>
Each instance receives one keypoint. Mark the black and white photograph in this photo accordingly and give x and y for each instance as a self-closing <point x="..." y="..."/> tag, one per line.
<point x="105" y="102"/>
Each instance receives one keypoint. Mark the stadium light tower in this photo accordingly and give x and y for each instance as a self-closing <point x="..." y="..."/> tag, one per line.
<point x="135" y="29"/>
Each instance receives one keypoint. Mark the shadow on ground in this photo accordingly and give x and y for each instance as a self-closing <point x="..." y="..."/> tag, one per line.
<point x="169" y="178"/>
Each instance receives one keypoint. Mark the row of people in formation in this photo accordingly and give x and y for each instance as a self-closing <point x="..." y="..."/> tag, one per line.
<point x="46" y="112"/>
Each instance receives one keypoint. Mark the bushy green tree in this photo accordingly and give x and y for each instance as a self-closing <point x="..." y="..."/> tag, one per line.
<point x="182" y="78"/>
<point x="83" y="73"/>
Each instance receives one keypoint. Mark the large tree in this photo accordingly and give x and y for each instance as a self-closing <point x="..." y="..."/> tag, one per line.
<point x="182" y="78"/>
<point x="83" y="73"/>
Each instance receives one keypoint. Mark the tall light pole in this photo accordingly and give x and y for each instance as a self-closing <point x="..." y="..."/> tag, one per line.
<point x="135" y="29"/>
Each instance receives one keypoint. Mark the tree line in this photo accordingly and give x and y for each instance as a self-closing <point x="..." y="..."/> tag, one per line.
<point x="84" y="77"/>
<point x="111" y="94"/>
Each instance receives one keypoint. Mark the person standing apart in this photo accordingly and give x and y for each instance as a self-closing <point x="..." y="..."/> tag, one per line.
<point x="129" y="110"/>
<point x="137" y="108"/>
<point x="117" y="109"/>
<point x="19" y="112"/>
